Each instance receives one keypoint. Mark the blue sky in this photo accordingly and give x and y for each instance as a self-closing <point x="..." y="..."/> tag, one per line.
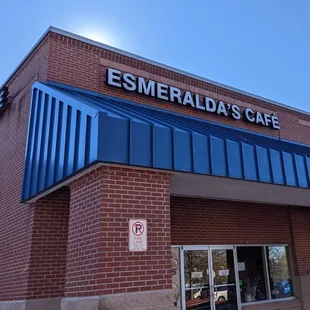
<point x="260" y="46"/>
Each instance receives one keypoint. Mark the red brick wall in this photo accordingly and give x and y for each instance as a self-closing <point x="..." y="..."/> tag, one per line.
<point x="207" y="222"/>
<point x="15" y="218"/>
<point x="300" y="222"/>
<point x="47" y="267"/>
<point x="102" y="202"/>
<point x="75" y="63"/>
<point x="203" y="221"/>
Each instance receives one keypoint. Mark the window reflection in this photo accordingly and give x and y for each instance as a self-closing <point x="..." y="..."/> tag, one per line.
<point x="196" y="272"/>
<point x="223" y="265"/>
<point x="264" y="274"/>
<point x="279" y="275"/>
<point x="225" y="295"/>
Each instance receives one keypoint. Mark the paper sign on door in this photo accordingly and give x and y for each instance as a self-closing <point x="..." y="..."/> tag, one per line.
<point x="223" y="273"/>
<point x="196" y="275"/>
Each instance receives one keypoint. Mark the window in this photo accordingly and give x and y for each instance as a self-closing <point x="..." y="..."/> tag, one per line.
<point x="264" y="273"/>
<point x="279" y="274"/>
<point x="251" y="274"/>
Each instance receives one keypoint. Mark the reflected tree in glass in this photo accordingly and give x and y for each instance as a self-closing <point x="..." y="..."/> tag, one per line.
<point x="280" y="282"/>
<point x="195" y="261"/>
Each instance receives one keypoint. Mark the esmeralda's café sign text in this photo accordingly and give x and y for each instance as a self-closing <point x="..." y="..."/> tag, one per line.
<point x="173" y="94"/>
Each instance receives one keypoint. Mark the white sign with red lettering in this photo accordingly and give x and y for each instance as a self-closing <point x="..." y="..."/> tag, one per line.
<point x="137" y="235"/>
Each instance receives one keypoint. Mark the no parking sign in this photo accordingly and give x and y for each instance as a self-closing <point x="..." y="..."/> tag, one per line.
<point x="137" y="235"/>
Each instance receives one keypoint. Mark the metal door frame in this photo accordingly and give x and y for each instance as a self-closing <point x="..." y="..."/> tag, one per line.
<point x="209" y="248"/>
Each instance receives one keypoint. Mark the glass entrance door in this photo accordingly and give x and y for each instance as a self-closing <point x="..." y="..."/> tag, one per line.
<point x="209" y="278"/>
<point x="196" y="279"/>
<point x="224" y="280"/>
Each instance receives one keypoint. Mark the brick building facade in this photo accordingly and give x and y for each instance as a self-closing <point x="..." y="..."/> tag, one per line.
<point x="208" y="185"/>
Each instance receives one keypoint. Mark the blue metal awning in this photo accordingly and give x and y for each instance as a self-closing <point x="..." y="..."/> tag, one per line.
<point x="70" y="129"/>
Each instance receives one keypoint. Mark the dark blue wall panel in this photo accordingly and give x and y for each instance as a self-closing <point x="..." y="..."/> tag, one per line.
<point x="52" y="143"/>
<point x="301" y="170"/>
<point x="218" y="156"/>
<point x="263" y="162"/>
<point x="163" y="152"/>
<point x="277" y="168"/>
<point x="307" y="165"/>
<point x="183" y="151"/>
<point x="201" y="154"/>
<point x="289" y="168"/>
<point x="114" y="139"/>
<point x="141" y="153"/>
<point x="249" y="162"/>
<point x="234" y="158"/>
<point x="37" y="143"/>
<point x="45" y="146"/>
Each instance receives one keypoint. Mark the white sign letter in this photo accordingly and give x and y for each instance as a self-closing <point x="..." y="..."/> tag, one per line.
<point x="249" y="115"/>
<point x="113" y="77"/>
<point x="129" y="82"/>
<point x="162" y="91"/>
<point x="175" y="94"/>
<point x="210" y="104"/>
<point x="146" y="89"/>
<point x="275" y="122"/>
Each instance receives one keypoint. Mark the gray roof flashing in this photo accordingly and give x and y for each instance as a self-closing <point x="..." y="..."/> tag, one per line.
<point x="151" y="62"/>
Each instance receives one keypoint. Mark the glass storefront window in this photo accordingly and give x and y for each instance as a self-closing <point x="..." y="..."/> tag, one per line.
<point x="259" y="264"/>
<point x="251" y="274"/>
<point x="227" y="277"/>
<point x="279" y="275"/>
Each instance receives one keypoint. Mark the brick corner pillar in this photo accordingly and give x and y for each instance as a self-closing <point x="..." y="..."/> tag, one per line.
<point x="300" y="229"/>
<point x="49" y="218"/>
<point x="101" y="271"/>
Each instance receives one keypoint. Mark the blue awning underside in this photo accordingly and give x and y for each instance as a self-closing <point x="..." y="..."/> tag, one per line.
<point x="71" y="129"/>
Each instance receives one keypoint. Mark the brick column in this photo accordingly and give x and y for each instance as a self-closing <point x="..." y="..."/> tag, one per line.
<point x="47" y="252"/>
<point x="300" y="229"/>
<point x="50" y="216"/>
<point x="99" y="263"/>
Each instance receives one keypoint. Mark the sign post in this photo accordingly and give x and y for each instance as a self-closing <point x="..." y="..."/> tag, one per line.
<point x="137" y="235"/>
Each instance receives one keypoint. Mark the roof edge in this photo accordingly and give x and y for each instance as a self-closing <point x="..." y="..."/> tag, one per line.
<point x="61" y="86"/>
<point x="49" y="29"/>
<point x="151" y="62"/>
